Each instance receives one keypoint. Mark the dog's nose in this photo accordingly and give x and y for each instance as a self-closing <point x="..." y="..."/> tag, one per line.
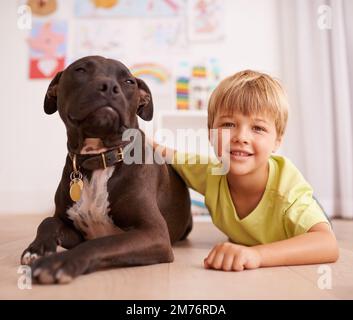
<point x="108" y="87"/>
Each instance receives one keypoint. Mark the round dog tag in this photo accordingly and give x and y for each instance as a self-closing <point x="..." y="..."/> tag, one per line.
<point x="78" y="181"/>
<point x="76" y="190"/>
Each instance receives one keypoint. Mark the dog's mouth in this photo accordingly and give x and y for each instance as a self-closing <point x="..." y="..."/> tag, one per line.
<point x="100" y="130"/>
<point x="100" y="123"/>
<point x="98" y="112"/>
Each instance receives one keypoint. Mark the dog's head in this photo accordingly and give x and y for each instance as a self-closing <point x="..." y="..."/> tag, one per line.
<point x="98" y="98"/>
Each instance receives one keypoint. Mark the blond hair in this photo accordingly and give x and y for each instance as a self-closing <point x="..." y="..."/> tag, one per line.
<point x="250" y="93"/>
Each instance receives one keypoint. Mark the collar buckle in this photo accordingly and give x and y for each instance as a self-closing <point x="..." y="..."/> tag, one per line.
<point x="119" y="154"/>
<point x="103" y="159"/>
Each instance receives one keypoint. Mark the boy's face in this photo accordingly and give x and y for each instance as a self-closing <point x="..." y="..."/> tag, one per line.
<point x="252" y="139"/>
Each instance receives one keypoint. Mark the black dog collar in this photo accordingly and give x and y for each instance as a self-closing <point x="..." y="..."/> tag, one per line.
<point x="98" y="161"/>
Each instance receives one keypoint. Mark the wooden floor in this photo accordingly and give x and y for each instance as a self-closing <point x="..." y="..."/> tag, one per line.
<point x="185" y="278"/>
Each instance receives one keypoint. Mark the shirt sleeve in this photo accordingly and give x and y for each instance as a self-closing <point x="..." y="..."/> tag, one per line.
<point x="302" y="215"/>
<point x="193" y="169"/>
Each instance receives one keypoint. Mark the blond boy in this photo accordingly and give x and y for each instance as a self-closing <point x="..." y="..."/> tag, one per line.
<point x="263" y="204"/>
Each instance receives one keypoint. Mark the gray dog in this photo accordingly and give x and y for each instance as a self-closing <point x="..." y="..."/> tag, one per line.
<point x="108" y="213"/>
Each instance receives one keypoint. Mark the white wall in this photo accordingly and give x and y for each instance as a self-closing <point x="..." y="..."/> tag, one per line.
<point x="33" y="145"/>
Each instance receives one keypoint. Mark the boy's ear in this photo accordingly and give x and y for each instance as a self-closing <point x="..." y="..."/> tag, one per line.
<point x="145" y="107"/>
<point x="50" y="100"/>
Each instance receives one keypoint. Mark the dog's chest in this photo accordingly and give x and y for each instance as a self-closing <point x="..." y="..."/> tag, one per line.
<point x="90" y="213"/>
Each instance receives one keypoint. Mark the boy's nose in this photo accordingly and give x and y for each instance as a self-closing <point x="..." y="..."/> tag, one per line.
<point x="240" y="135"/>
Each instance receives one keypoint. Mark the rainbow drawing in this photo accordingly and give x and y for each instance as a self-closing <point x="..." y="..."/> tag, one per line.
<point x="152" y="71"/>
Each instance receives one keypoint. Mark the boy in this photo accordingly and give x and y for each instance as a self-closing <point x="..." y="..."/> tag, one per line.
<point x="263" y="204"/>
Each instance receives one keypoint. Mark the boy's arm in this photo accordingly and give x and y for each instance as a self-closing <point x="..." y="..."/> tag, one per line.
<point x="192" y="168"/>
<point x="318" y="245"/>
<point x="163" y="151"/>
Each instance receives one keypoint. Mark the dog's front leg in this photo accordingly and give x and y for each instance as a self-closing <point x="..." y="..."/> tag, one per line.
<point x="51" y="232"/>
<point x="147" y="244"/>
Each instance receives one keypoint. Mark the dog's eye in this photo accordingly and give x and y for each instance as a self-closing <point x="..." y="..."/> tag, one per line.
<point x="129" y="81"/>
<point x="80" y="69"/>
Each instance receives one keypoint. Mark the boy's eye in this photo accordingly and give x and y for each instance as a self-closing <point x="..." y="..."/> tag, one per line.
<point x="259" y="129"/>
<point x="228" y="125"/>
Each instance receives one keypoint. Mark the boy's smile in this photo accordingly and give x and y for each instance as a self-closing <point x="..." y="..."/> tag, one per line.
<point x="239" y="154"/>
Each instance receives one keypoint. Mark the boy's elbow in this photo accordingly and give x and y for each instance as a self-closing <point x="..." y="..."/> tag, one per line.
<point x="334" y="249"/>
<point x="336" y="252"/>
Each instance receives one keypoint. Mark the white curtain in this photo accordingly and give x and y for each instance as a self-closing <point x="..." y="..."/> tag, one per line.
<point x="317" y="64"/>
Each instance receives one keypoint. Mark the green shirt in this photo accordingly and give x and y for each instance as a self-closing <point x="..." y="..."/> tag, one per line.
<point x="287" y="207"/>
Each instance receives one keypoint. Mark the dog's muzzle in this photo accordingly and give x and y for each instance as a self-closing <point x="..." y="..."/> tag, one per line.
<point x="100" y="123"/>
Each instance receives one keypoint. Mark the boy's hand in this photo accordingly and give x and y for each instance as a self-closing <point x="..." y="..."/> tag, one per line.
<point x="232" y="257"/>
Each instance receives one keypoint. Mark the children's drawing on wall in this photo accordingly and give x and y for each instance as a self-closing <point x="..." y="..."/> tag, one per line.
<point x="42" y="7"/>
<point x="47" y="44"/>
<point x="194" y="83"/>
<point x="205" y="20"/>
<point x="128" y="8"/>
<point x="105" y="38"/>
<point x="151" y="71"/>
<point x="158" y="77"/>
<point x="163" y="34"/>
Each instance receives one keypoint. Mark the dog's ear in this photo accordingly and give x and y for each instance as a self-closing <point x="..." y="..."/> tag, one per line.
<point x="50" y="99"/>
<point x="145" y="107"/>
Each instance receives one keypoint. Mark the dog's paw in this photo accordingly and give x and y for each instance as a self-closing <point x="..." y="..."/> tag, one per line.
<point x="38" y="249"/>
<point x="28" y="257"/>
<point x="60" y="267"/>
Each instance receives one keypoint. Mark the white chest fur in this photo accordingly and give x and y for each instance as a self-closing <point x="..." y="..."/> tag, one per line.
<point x="90" y="213"/>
